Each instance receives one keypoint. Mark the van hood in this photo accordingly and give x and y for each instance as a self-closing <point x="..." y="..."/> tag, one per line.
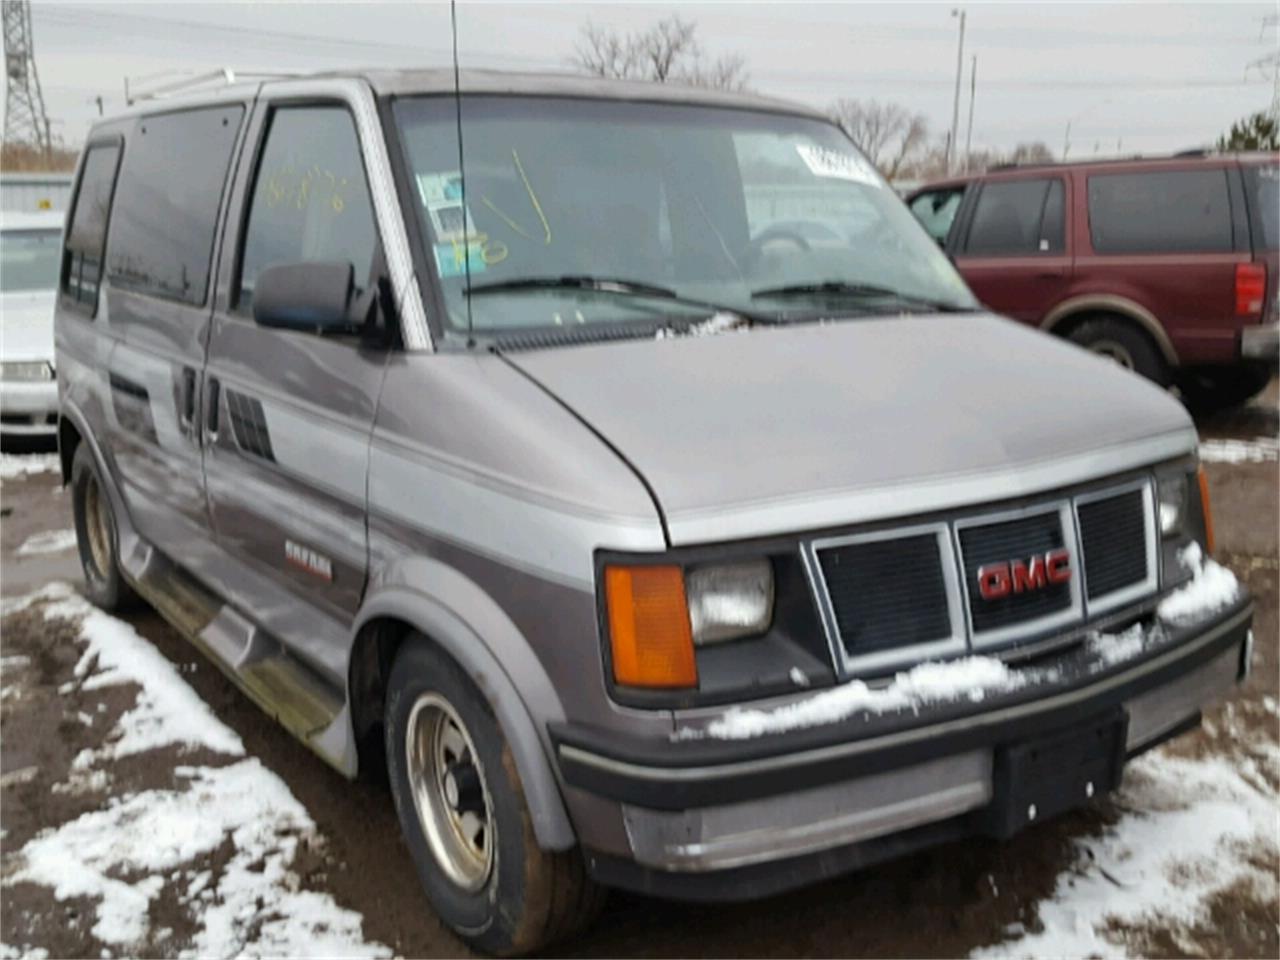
<point x="779" y="429"/>
<point x="26" y="331"/>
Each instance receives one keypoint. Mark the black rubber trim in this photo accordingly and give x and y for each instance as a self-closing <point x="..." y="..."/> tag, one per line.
<point x="678" y="775"/>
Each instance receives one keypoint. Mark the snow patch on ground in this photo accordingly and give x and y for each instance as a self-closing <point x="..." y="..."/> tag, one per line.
<point x="721" y="322"/>
<point x="13" y="465"/>
<point x="1211" y="588"/>
<point x="1258" y="450"/>
<point x="50" y="541"/>
<point x="1193" y="828"/>
<point x="124" y="854"/>
<point x="970" y="678"/>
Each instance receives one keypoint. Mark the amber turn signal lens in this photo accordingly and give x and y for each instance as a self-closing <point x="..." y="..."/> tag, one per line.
<point x="649" y="630"/>
<point x="1208" y="513"/>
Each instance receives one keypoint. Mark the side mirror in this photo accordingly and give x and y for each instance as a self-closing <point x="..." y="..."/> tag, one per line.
<point x="306" y="296"/>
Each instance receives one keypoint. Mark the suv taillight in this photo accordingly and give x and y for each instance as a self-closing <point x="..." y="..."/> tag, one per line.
<point x="1251" y="289"/>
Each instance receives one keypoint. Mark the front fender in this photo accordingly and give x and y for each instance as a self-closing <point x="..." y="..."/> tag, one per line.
<point x="481" y="638"/>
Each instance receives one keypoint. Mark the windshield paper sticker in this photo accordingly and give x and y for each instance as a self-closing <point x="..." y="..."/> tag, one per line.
<point x="843" y="166"/>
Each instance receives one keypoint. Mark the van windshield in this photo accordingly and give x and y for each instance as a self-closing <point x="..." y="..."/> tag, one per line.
<point x="590" y="212"/>
<point x="29" y="260"/>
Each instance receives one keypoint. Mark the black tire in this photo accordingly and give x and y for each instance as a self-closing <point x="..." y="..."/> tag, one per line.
<point x="1124" y="342"/>
<point x="1214" y="389"/>
<point x="100" y="550"/>
<point x="530" y="897"/>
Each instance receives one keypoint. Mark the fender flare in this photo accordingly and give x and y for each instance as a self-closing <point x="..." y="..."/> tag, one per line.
<point x="1111" y="303"/>
<point x="126" y="534"/>
<point x="488" y="646"/>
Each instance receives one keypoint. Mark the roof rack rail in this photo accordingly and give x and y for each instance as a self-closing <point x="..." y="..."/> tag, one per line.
<point x="225" y="77"/>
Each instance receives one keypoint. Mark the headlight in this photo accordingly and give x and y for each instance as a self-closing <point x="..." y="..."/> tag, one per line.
<point x="1173" y="505"/>
<point x="729" y="601"/>
<point x="26" y="371"/>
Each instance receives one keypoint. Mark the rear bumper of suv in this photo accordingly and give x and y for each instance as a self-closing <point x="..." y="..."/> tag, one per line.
<point x="1261" y="343"/>
<point x="711" y="819"/>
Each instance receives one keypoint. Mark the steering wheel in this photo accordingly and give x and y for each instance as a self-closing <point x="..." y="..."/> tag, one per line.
<point x="755" y="247"/>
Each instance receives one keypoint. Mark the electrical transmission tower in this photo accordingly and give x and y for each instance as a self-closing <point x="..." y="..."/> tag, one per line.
<point x="1270" y="64"/>
<point x="25" y="121"/>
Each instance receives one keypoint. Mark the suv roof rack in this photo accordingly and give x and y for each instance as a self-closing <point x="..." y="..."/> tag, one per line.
<point x="225" y="77"/>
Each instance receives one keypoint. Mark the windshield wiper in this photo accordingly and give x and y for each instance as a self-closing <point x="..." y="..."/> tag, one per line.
<point x="841" y="288"/>
<point x="611" y="285"/>
<point x="575" y="281"/>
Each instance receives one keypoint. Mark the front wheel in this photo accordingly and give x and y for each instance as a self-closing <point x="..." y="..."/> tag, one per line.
<point x="96" y="536"/>
<point x="464" y="816"/>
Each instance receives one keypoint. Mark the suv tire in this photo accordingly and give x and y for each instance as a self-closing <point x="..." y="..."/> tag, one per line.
<point x="1220" y="388"/>
<point x="464" y="816"/>
<point x="96" y="537"/>
<point x="1125" y="343"/>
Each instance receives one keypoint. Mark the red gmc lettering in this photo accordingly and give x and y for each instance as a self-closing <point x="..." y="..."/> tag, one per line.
<point x="996" y="580"/>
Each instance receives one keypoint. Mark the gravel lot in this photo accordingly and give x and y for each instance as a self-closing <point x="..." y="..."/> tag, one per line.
<point x="112" y="738"/>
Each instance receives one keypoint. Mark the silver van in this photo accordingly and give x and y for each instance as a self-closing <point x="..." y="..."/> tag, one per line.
<point x="624" y="474"/>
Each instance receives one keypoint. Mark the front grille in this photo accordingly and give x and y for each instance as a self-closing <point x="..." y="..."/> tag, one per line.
<point x="887" y="594"/>
<point x="1113" y="540"/>
<point x="1028" y="536"/>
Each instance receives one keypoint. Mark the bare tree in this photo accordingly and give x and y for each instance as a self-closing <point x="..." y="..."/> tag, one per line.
<point x="667" y="52"/>
<point x="1036" y="152"/>
<point x="887" y="133"/>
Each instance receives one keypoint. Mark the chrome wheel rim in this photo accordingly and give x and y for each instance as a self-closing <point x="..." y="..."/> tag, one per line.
<point x="97" y="527"/>
<point x="1113" y="351"/>
<point x="449" y="791"/>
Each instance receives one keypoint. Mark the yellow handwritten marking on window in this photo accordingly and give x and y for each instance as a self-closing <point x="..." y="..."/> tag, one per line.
<point x="533" y="199"/>
<point x="285" y="185"/>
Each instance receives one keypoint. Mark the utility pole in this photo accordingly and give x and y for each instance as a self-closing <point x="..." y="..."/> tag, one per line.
<point x="955" y="107"/>
<point x="1066" y="141"/>
<point x="973" y="92"/>
<point x="25" y="120"/>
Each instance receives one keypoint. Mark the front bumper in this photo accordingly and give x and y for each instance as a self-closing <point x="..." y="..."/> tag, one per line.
<point x="29" y="408"/>
<point x="1261" y="342"/>
<point x="727" y="820"/>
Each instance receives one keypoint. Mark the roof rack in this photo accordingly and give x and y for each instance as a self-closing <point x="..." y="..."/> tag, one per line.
<point x="225" y="77"/>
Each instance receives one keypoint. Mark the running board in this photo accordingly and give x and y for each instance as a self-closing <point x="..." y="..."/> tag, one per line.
<point x="282" y="686"/>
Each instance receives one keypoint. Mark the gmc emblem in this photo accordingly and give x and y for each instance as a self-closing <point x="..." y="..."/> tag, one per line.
<point x="996" y="580"/>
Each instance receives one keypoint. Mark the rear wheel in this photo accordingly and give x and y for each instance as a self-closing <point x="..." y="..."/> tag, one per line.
<point x="464" y="816"/>
<point x="1220" y="388"/>
<point x="1125" y="343"/>
<point x="96" y="535"/>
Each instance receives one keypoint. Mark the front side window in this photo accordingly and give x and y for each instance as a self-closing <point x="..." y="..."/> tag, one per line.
<point x="1016" y="218"/>
<point x="1181" y="211"/>
<point x="936" y="211"/>
<point x="171" y="182"/>
<point x="310" y="198"/>
<point x="87" y="230"/>
<point x="683" y="206"/>
<point x="29" y="260"/>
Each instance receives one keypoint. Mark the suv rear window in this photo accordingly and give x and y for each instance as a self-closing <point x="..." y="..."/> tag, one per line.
<point x="1262" y="181"/>
<point x="87" y="231"/>
<point x="1016" y="218"/>
<point x="1177" y="211"/>
<point x="175" y="166"/>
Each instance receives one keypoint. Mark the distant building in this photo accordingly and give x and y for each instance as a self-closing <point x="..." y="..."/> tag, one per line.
<point x="33" y="192"/>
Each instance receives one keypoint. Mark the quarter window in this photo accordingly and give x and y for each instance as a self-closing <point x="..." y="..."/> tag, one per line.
<point x="171" y="185"/>
<point x="1017" y="218"/>
<point x="310" y="198"/>
<point x="87" y="232"/>
<point x="1172" y="212"/>
<point x="936" y="212"/>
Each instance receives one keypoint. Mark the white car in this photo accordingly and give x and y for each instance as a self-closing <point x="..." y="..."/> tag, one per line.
<point x="30" y="246"/>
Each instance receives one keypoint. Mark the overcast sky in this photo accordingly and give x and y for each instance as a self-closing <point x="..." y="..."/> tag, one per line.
<point x="1128" y="76"/>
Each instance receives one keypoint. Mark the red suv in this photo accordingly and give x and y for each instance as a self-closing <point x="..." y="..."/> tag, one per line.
<point x="1168" y="266"/>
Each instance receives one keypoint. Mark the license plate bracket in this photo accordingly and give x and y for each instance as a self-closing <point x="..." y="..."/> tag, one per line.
<point x="1042" y="777"/>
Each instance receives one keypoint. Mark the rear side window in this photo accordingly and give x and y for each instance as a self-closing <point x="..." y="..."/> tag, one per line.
<point x="166" y="212"/>
<point x="310" y="198"/>
<point x="1180" y="211"/>
<point x="87" y="229"/>
<point x="1017" y="218"/>
<point x="1262" y="181"/>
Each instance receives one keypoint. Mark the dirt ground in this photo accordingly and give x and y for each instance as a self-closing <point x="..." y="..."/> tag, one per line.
<point x="944" y="902"/>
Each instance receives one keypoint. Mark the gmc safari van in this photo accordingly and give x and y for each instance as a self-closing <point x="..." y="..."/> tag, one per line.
<point x="634" y="482"/>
